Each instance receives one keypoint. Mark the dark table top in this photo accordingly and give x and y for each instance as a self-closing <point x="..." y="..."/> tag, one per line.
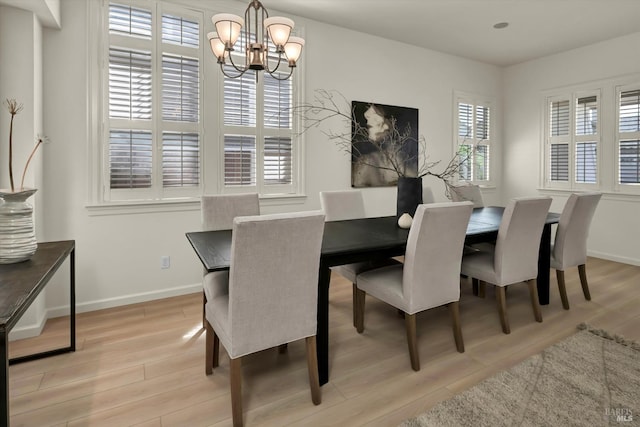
<point x="343" y="237"/>
<point x="20" y="283"/>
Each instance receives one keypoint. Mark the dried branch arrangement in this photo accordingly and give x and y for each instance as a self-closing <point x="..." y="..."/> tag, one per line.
<point x="331" y="106"/>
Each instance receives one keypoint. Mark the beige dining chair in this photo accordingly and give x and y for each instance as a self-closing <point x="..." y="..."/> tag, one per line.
<point x="217" y="213"/>
<point x="343" y="205"/>
<point x="427" y="195"/>
<point x="514" y="258"/>
<point x="430" y="276"/>
<point x="268" y="297"/>
<point x="570" y="245"/>
<point x="467" y="192"/>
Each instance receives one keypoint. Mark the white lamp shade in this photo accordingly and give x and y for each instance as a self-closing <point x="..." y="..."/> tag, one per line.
<point x="293" y="49"/>
<point x="217" y="47"/>
<point x="279" y="29"/>
<point x="228" y="27"/>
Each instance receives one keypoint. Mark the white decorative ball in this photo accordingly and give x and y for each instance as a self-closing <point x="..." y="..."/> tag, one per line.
<point x="405" y="221"/>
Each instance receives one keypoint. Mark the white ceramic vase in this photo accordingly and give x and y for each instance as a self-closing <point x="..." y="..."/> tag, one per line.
<point x="17" y="235"/>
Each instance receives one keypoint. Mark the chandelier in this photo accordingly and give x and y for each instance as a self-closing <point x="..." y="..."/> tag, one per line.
<point x="262" y="36"/>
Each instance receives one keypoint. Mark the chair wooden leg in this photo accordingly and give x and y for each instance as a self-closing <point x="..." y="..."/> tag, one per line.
<point x="360" y="297"/>
<point x="482" y="288"/>
<point x="312" y="365"/>
<point x="412" y="341"/>
<point x="501" y="298"/>
<point x="235" y="372"/>
<point x="204" y="314"/>
<point x="533" y="292"/>
<point x="562" y="289"/>
<point x="355" y="291"/>
<point x="212" y="349"/>
<point x="282" y="348"/>
<point x="474" y="285"/>
<point x="454" y="308"/>
<point x="582" y="270"/>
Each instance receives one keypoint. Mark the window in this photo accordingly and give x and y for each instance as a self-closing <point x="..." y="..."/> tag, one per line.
<point x="473" y="138"/>
<point x="628" y="136"/>
<point x="153" y="107"/>
<point x="572" y="140"/>
<point x="257" y="122"/>
<point x="592" y="136"/>
<point x="167" y="126"/>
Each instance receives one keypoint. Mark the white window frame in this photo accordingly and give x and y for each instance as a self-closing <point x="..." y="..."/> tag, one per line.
<point x="608" y="136"/>
<point x="623" y="188"/>
<point x="260" y="132"/>
<point x="211" y="142"/>
<point x="572" y="140"/>
<point x="476" y="100"/>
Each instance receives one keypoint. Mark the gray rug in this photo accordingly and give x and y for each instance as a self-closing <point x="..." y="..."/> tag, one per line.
<point x="589" y="379"/>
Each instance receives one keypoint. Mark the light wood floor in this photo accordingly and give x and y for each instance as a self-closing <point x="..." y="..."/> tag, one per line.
<point x="143" y="365"/>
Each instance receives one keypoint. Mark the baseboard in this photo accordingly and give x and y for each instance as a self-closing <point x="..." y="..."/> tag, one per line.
<point x="34" y="330"/>
<point x="616" y="258"/>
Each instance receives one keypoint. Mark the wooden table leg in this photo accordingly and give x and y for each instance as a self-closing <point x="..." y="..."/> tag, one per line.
<point x="322" y="349"/>
<point x="544" y="265"/>
<point x="4" y="380"/>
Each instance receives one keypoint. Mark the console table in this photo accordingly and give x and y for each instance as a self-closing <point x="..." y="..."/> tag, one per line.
<point x="20" y="284"/>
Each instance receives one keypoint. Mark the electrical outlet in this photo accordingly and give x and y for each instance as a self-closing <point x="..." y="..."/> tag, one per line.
<point x="165" y="262"/>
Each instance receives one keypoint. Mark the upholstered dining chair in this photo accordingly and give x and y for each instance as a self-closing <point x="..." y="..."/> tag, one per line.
<point x="269" y="295"/>
<point x="467" y="192"/>
<point x="342" y="205"/>
<point x="427" y="194"/>
<point x="430" y="276"/>
<point x="570" y="245"/>
<point x="514" y="258"/>
<point x="217" y="213"/>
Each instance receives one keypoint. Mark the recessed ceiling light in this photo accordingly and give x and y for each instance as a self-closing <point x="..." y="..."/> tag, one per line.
<point x="501" y="25"/>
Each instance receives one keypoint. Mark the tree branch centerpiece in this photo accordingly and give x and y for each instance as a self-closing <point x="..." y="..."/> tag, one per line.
<point x="17" y="235"/>
<point x="393" y="153"/>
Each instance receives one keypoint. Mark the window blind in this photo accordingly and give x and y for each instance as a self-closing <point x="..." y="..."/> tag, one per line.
<point x="277" y="160"/>
<point x="179" y="31"/>
<point x="239" y="160"/>
<point x="278" y="97"/>
<point x="586" y="162"/>
<point x="559" y="162"/>
<point x="130" y="158"/>
<point x="133" y="91"/>
<point x="629" y="134"/>
<point x="474" y="145"/>
<point x="131" y="21"/>
<point x="239" y="99"/>
<point x="180" y="88"/>
<point x="587" y="116"/>
<point x="559" y="121"/>
<point x="129" y="84"/>
<point x="180" y="159"/>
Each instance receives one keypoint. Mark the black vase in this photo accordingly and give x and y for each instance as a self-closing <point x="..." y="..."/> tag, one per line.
<point x="409" y="196"/>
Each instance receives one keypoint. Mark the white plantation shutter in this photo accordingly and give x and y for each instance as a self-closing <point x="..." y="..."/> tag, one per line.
<point x="179" y="31"/>
<point x="129" y="84"/>
<point x="180" y="159"/>
<point x="474" y="140"/>
<point x="240" y="100"/>
<point x="586" y="131"/>
<point x="129" y="20"/>
<point x="153" y="111"/>
<point x="628" y="136"/>
<point x="130" y="158"/>
<point x="258" y="126"/>
<point x="239" y="160"/>
<point x="559" y="126"/>
<point x="180" y="88"/>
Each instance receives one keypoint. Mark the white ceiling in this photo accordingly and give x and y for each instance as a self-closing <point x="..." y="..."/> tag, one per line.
<point x="465" y="27"/>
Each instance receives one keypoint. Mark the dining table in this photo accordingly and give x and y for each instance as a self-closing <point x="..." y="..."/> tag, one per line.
<point x="365" y="239"/>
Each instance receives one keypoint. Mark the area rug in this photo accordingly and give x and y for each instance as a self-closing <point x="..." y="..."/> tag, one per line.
<point x="589" y="379"/>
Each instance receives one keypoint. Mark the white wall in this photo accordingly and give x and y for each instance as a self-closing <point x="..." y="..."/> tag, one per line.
<point x="21" y="79"/>
<point x="118" y="256"/>
<point x="614" y="233"/>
